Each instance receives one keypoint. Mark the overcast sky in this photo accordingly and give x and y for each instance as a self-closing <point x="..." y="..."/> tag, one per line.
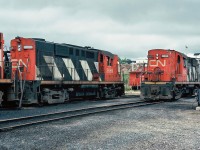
<point x="128" y="28"/>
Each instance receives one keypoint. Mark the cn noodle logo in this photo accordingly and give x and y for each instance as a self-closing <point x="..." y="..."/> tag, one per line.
<point x="16" y="63"/>
<point x="155" y="63"/>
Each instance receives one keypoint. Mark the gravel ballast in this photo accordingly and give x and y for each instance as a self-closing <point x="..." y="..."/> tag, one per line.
<point x="170" y="125"/>
<point x="76" y="104"/>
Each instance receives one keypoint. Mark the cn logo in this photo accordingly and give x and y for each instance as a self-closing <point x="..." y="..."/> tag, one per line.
<point x="16" y="63"/>
<point x="156" y="63"/>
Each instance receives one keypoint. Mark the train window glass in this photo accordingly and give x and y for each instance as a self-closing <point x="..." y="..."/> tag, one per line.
<point x="101" y="58"/>
<point x="111" y="62"/>
<point x="178" y="65"/>
<point x="71" y="52"/>
<point x="83" y="53"/>
<point x="108" y="61"/>
<point x="90" y="55"/>
<point x="77" y="52"/>
<point x="178" y="60"/>
<point x="185" y="62"/>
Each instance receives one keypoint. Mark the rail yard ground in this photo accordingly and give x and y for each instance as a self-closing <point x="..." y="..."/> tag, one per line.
<point x="169" y="125"/>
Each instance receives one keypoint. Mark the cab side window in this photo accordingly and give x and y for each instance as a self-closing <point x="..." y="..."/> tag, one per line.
<point x="101" y="58"/>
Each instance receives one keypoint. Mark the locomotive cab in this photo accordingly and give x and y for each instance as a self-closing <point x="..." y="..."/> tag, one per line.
<point x="109" y="68"/>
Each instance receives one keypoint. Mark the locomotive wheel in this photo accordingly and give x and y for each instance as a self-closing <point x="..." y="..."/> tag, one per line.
<point x="177" y="93"/>
<point x="67" y="100"/>
<point x="173" y="96"/>
<point x="40" y="104"/>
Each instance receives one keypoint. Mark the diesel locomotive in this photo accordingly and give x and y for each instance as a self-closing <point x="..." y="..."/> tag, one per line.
<point x="35" y="71"/>
<point x="169" y="75"/>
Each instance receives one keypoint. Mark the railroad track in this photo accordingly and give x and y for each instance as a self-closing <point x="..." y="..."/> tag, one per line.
<point x="13" y="123"/>
<point x="74" y="100"/>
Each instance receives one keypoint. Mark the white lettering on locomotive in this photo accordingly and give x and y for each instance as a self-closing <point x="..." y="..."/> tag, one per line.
<point x="155" y="63"/>
<point x="16" y="63"/>
<point x="109" y="70"/>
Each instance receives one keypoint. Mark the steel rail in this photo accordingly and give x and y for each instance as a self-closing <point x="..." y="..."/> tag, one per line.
<point x="74" y="100"/>
<point x="83" y="112"/>
<point x="61" y="112"/>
